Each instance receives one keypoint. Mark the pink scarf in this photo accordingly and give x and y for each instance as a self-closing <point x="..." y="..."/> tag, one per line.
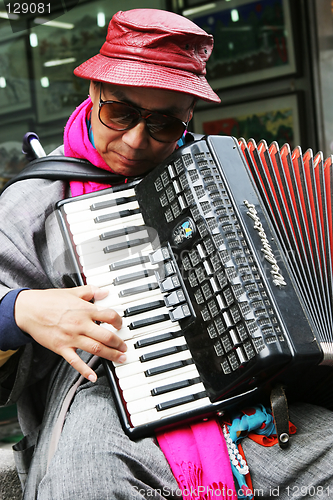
<point x="199" y="459"/>
<point x="197" y="453"/>
<point x="77" y="145"/>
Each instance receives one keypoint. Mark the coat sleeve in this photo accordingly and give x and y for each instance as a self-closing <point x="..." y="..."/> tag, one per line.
<point x="32" y="255"/>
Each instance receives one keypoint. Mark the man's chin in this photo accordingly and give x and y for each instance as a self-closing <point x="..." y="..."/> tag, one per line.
<point x="136" y="170"/>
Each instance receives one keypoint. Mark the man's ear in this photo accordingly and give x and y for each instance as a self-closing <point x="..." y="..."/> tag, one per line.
<point x="190" y="116"/>
<point x="93" y="89"/>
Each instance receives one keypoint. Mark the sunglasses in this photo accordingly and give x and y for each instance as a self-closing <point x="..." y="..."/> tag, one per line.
<point x="120" y="116"/>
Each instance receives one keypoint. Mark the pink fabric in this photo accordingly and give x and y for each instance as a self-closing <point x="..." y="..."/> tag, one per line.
<point x="77" y="145"/>
<point x="198" y="457"/>
<point x="197" y="453"/>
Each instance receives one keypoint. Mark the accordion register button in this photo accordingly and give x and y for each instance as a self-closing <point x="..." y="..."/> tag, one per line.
<point x="159" y="255"/>
<point x="164" y="271"/>
<point x="170" y="283"/>
<point x="180" y="312"/>
<point x="174" y="298"/>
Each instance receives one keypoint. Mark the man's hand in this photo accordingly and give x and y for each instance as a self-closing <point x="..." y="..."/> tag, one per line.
<point x="64" y="320"/>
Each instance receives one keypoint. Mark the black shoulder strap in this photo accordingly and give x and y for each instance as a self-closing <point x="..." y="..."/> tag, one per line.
<point x="64" y="168"/>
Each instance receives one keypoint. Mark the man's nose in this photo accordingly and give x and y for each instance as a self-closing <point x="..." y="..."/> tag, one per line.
<point x="138" y="136"/>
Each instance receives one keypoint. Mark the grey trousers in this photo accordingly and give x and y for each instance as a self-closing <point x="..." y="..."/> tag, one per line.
<point x="95" y="460"/>
<point x="305" y="469"/>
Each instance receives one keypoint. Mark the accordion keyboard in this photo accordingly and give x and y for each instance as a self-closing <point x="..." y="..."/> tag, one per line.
<point x="182" y="260"/>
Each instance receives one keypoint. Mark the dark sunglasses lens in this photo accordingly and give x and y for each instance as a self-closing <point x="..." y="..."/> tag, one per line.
<point x="165" y="128"/>
<point x="118" y="116"/>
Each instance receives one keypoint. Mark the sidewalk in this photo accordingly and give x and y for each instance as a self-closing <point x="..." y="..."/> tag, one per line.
<point x="10" y="433"/>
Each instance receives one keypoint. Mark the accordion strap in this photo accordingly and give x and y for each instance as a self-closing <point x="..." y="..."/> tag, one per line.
<point x="64" y="168"/>
<point x="280" y="413"/>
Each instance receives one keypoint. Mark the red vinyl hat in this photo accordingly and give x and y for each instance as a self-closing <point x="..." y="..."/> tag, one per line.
<point x="156" y="49"/>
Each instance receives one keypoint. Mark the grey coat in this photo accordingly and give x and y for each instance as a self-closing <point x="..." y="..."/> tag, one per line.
<point x="32" y="255"/>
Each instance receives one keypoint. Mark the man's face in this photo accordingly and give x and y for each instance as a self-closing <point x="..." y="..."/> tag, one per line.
<point x="133" y="152"/>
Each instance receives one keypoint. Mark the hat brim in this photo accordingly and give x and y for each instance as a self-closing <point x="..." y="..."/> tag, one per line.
<point x="140" y="74"/>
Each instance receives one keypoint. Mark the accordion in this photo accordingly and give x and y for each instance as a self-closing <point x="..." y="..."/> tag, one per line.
<point x="219" y="262"/>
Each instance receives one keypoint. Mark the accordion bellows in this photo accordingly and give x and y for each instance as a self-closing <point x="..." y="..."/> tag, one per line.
<point x="296" y="189"/>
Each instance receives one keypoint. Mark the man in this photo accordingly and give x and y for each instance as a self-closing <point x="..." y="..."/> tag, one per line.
<point x="144" y="84"/>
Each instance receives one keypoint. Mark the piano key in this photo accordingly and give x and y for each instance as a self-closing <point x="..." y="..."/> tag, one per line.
<point x="110" y="213"/>
<point x="91" y="225"/>
<point x="151" y="320"/>
<point x="121" y="200"/>
<point x="140" y="380"/>
<point x="125" y="333"/>
<point x="147" y="306"/>
<point x="103" y="240"/>
<point x="172" y="365"/>
<point x="167" y="400"/>
<point x="133" y="276"/>
<point x="85" y="203"/>
<point x="155" y="366"/>
<point x="128" y="293"/>
<point x="166" y="351"/>
<point x="126" y="243"/>
<point x="148" y="291"/>
<point x="154" y="339"/>
<point x="182" y="399"/>
<point x="172" y="386"/>
<point x="94" y="235"/>
<point x="97" y="259"/>
<point x="132" y="262"/>
<point x="153" y="351"/>
<point x="146" y="417"/>
<point x="150" y="386"/>
<point x="146" y="286"/>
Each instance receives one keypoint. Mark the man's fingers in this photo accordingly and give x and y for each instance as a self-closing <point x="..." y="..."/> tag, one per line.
<point x="88" y="292"/>
<point x="108" y="316"/>
<point x="76" y="362"/>
<point x="99" y="334"/>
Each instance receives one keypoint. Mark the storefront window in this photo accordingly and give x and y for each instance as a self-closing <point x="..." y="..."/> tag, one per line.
<point x="38" y="90"/>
